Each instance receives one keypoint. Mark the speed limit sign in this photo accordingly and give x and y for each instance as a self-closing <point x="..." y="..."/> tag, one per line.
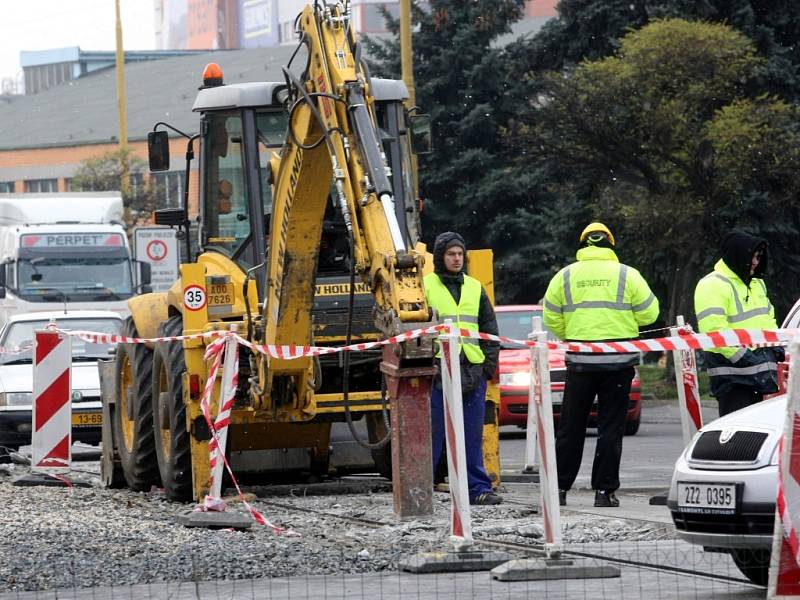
<point x="194" y="297"/>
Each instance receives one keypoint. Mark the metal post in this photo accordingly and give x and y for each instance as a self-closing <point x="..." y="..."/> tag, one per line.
<point x="548" y="476"/>
<point x="687" y="384"/>
<point x="409" y="389"/>
<point x="784" y="570"/>
<point x="230" y="372"/>
<point x="461" y="526"/>
<point x="531" y="427"/>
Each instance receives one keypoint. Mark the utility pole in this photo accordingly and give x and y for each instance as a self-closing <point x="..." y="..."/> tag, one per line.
<point x="121" y="107"/>
<point x="406" y="56"/>
<point x="407" y="67"/>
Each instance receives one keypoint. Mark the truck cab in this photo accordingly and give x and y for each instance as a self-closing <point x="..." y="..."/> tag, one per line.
<point x="64" y="250"/>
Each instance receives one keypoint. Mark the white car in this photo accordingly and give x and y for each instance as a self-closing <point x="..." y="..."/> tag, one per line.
<point x="16" y="373"/>
<point x="725" y="483"/>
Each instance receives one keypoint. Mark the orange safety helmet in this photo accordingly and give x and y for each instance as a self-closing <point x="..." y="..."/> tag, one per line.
<point x="597" y="227"/>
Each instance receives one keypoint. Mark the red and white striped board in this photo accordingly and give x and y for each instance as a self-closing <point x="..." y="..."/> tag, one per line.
<point x="460" y="515"/>
<point x="52" y="410"/>
<point x="688" y="386"/>
<point x="784" y="572"/>
<point x="218" y="443"/>
<point x="545" y="435"/>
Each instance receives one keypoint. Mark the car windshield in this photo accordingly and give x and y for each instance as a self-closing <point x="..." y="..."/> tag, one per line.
<point x="17" y="338"/>
<point x="517" y="324"/>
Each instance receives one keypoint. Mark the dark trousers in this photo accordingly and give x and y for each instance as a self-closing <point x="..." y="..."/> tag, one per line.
<point x="612" y="389"/>
<point x="474" y="404"/>
<point x="739" y="396"/>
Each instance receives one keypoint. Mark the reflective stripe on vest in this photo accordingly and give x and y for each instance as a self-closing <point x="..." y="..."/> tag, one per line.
<point x="618" y="303"/>
<point x="742" y="371"/>
<point x="464" y="314"/>
<point x="741" y="314"/>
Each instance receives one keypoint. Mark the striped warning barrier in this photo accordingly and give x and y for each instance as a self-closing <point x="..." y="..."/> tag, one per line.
<point x="460" y="516"/>
<point x="545" y="435"/>
<point x="218" y="444"/>
<point x="52" y="411"/>
<point x="784" y="579"/>
<point x="688" y="385"/>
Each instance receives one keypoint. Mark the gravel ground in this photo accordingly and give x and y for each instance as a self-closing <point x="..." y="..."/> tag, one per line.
<point x="86" y="537"/>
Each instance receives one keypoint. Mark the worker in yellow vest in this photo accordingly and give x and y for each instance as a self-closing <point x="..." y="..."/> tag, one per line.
<point x="461" y="298"/>
<point x="596" y="299"/>
<point x="734" y="296"/>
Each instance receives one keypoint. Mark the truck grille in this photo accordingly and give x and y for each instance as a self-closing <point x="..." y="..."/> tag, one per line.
<point x="744" y="446"/>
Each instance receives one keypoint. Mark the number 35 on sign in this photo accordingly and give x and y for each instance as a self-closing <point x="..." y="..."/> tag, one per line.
<point x="194" y="297"/>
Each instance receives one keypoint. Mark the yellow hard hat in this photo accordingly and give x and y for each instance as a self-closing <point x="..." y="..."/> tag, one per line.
<point x="598" y="228"/>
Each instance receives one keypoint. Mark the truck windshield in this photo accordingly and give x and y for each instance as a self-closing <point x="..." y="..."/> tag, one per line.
<point x="64" y="278"/>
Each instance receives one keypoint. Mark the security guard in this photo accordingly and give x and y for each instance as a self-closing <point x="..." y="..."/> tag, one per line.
<point x="734" y="296"/>
<point x="457" y="296"/>
<point x="596" y="299"/>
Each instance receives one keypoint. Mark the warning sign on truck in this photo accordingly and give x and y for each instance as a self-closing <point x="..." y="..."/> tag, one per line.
<point x="159" y="247"/>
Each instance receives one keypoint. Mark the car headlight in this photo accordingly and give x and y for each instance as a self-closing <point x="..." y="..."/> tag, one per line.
<point x="518" y="378"/>
<point x="16" y="399"/>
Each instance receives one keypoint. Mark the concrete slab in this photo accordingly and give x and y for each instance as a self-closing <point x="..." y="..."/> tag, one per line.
<point x="214" y="520"/>
<point x="42" y="479"/>
<point x="539" y="569"/>
<point x="453" y="562"/>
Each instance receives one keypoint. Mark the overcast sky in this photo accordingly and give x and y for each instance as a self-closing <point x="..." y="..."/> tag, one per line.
<point x="47" y="24"/>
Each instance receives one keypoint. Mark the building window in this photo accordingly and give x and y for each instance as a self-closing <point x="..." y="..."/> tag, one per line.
<point x="169" y="189"/>
<point x="6" y="187"/>
<point x="41" y="185"/>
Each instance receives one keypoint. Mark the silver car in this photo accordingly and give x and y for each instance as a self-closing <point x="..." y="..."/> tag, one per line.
<point x="724" y="486"/>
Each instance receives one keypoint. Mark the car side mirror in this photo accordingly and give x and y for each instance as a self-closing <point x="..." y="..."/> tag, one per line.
<point x="419" y="127"/>
<point x="158" y="151"/>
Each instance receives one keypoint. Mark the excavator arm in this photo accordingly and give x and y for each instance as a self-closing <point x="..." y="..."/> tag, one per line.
<point x="333" y="143"/>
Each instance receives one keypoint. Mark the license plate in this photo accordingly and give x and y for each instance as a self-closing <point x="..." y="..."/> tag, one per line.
<point x="220" y="294"/>
<point x="87" y="419"/>
<point x="707" y="498"/>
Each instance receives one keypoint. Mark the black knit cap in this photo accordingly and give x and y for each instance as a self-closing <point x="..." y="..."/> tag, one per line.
<point x="445" y="240"/>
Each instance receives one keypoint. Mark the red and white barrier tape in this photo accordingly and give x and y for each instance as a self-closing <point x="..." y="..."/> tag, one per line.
<point x="214" y="352"/>
<point x="683" y="341"/>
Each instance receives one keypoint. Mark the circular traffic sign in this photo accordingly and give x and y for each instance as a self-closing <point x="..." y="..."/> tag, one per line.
<point x="156" y="250"/>
<point x="194" y="297"/>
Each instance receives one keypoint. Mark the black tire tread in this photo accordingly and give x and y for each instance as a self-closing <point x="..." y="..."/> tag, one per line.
<point x="139" y="467"/>
<point x="176" y="468"/>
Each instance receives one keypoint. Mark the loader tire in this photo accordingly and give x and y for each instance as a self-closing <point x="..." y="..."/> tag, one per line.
<point x="132" y="414"/>
<point x="173" y="448"/>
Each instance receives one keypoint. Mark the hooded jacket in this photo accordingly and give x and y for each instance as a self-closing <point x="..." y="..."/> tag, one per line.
<point x="731" y="298"/>
<point x="487" y="322"/>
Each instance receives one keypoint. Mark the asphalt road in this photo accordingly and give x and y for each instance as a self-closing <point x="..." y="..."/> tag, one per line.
<point x="647" y="457"/>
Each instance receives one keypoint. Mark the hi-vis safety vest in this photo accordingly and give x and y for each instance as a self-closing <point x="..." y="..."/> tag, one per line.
<point x="723" y="301"/>
<point x="598" y="299"/>
<point x="464" y="314"/>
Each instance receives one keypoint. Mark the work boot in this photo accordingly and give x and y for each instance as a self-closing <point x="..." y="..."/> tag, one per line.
<point x="562" y="497"/>
<point x="486" y="499"/>
<point x="605" y="499"/>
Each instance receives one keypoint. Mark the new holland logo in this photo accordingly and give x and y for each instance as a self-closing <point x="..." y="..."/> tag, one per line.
<point x="725" y="435"/>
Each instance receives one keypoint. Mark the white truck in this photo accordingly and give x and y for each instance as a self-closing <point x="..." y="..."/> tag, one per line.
<point x="65" y="250"/>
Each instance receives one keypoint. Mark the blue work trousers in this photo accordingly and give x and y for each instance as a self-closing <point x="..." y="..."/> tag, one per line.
<point x="474" y="404"/>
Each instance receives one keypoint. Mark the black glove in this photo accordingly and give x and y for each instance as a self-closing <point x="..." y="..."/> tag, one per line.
<point x="471" y="376"/>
